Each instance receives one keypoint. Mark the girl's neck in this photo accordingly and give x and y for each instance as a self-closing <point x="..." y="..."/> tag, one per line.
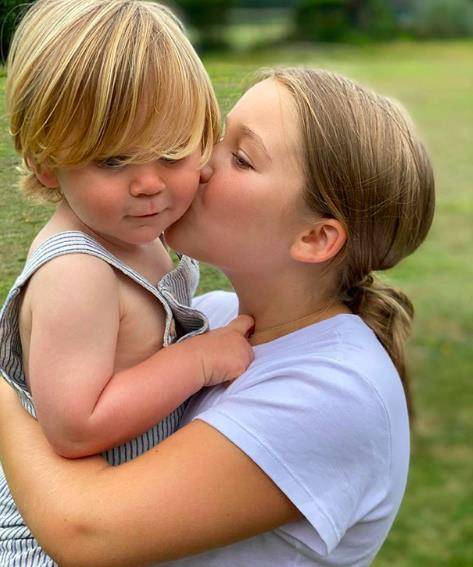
<point x="280" y="306"/>
<point x="266" y="334"/>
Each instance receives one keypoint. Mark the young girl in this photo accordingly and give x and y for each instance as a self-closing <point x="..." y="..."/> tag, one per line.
<point x="303" y="460"/>
<point x="113" y="114"/>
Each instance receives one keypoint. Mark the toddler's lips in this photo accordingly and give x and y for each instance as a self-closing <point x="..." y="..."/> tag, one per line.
<point x="148" y="215"/>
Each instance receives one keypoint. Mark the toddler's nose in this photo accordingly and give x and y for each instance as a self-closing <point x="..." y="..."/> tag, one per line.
<point x="148" y="180"/>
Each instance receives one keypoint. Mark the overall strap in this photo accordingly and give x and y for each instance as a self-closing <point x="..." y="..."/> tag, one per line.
<point x="75" y="242"/>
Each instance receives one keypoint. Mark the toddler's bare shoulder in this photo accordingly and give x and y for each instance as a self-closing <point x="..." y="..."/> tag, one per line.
<point x="73" y="277"/>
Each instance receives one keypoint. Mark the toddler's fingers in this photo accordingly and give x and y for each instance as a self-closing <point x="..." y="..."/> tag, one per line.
<point x="244" y="324"/>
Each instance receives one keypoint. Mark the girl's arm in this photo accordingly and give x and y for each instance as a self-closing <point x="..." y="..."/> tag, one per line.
<point x="85" y="407"/>
<point x="193" y="492"/>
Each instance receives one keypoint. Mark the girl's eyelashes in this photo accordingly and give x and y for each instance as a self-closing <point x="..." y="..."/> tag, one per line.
<point x="240" y="161"/>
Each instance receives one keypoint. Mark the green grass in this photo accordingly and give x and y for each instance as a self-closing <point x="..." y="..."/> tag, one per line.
<point x="435" y="81"/>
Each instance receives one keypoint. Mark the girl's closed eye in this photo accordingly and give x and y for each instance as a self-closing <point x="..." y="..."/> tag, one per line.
<point x="241" y="161"/>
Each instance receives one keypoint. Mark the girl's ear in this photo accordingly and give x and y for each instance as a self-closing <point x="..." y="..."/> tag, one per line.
<point x="45" y="175"/>
<point x="320" y="242"/>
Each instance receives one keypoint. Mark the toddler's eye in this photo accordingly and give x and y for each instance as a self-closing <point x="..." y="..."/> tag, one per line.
<point x="113" y="162"/>
<point x="170" y="161"/>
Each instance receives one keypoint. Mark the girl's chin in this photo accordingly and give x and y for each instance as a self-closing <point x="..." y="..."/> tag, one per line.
<point x="177" y="235"/>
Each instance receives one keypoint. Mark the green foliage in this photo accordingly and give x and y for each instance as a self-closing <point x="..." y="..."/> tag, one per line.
<point x="10" y="13"/>
<point x="267" y="3"/>
<point x="209" y="18"/>
<point x="357" y="20"/>
<point x="441" y="18"/>
<point x="343" y="20"/>
<point x="321" y="20"/>
<point x="374" y="18"/>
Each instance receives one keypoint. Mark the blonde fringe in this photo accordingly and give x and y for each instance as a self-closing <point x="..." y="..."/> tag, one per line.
<point x="94" y="79"/>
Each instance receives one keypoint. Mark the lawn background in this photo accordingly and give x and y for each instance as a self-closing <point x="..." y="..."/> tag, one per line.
<point x="435" y="82"/>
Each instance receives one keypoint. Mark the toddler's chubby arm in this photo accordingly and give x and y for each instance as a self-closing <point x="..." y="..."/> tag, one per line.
<point x="82" y="405"/>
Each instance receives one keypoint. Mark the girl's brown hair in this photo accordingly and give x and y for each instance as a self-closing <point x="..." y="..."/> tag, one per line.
<point x="366" y="167"/>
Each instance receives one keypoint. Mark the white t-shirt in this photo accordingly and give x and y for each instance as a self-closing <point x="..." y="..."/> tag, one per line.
<point x="323" y="413"/>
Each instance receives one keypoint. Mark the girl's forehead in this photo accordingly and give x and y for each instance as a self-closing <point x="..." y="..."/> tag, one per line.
<point x="267" y="95"/>
<point x="268" y="110"/>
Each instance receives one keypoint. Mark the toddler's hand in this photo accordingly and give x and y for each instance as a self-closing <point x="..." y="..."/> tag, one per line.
<point x="226" y="353"/>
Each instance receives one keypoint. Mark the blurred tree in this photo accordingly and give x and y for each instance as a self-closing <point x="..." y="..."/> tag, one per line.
<point x="321" y="20"/>
<point x="345" y="20"/>
<point x="336" y="20"/>
<point x="373" y="18"/>
<point x="267" y="3"/>
<point x="10" y="13"/>
<point x="441" y="18"/>
<point x="209" y="18"/>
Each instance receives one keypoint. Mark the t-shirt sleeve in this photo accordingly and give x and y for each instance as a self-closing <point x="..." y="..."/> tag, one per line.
<point x="321" y="436"/>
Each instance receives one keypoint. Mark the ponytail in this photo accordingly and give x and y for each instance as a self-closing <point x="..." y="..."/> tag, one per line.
<point x="389" y="313"/>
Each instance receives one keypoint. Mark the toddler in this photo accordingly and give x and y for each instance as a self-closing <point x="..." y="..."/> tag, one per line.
<point x="113" y="115"/>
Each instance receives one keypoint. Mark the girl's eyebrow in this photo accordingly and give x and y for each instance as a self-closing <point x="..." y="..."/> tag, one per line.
<point x="246" y="131"/>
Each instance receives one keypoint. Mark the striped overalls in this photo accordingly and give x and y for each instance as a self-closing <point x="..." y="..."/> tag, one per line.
<point x="174" y="291"/>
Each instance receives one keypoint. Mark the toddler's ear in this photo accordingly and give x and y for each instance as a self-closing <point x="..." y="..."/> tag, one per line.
<point x="44" y="174"/>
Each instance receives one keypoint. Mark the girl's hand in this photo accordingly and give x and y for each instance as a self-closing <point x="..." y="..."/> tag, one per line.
<point x="72" y="509"/>
<point x="225" y="353"/>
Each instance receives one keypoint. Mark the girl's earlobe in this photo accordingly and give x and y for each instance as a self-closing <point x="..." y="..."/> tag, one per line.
<point x="320" y="242"/>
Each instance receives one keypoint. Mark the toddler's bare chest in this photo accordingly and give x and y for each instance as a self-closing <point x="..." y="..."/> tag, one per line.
<point x="142" y="324"/>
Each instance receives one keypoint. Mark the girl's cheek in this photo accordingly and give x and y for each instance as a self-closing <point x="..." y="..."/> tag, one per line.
<point x="212" y="197"/>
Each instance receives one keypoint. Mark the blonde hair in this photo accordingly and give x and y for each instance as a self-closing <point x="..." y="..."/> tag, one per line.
<point x="365" y="166"/>
<point x="94" y="79"/>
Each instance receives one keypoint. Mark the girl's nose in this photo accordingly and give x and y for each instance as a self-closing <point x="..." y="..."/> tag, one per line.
<point x="206" y="173"/>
